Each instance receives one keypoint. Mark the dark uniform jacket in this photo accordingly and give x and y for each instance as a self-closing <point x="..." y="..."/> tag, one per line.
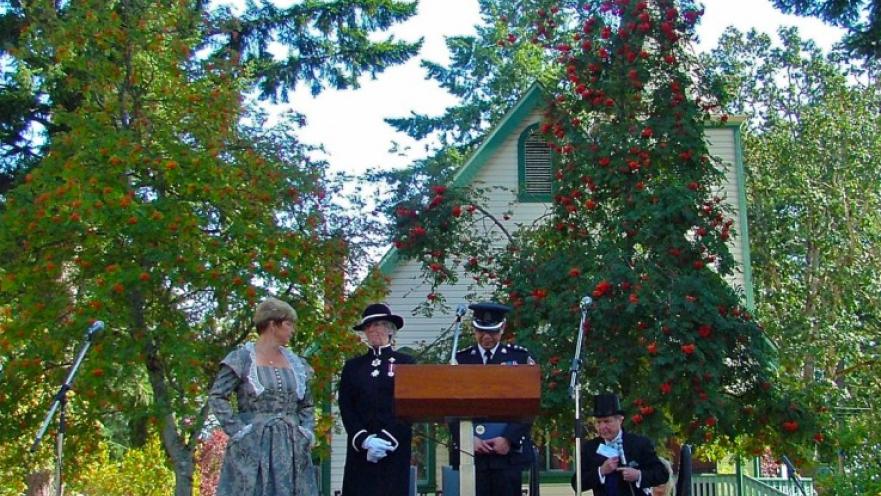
<point x="521" y="454"/>
<point x="639" y="453"/>
<point x="366" y="401"/>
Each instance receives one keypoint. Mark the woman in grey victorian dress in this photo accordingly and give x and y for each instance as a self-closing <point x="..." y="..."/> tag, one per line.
<point x="271" y="429"/>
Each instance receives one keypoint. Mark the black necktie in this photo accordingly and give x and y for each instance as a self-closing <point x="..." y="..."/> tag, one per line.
<point x="488" y="354"/>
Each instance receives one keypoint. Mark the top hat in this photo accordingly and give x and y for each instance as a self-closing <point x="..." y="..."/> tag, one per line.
<point x="606" y="405"/>
<point x="488" y="316"/>
<point x="375" y="312"/>
<point x="273" y="309"/>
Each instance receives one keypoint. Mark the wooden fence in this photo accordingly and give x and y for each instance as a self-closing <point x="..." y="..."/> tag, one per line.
<point x="726" y="485"/>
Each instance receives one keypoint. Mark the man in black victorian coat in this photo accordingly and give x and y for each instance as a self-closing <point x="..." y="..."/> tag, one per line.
<point x="618" y="463"/>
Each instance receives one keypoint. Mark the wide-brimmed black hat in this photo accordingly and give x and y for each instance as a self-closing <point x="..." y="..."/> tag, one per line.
<point x="606" y="405"/>
<point x="378" y="311"/>
<point x="488" y="316"/>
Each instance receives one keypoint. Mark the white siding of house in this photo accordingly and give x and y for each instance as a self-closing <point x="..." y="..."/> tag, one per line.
<point x="721" y="145"/>
<point x="407" y="291"/>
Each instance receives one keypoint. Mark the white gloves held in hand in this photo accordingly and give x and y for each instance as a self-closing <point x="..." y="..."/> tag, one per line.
<point x="377" y="448"/>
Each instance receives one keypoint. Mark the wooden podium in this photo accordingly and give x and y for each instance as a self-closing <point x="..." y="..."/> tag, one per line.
<point x="464" y="392"/>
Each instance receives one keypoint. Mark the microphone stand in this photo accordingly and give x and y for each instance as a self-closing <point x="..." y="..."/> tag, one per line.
<point x="790" y="468"/>
<point x="575" y="391"/>
<point x="460" y="312"/>
<point x="467" y="474"/>
<point x="59" y="403"/>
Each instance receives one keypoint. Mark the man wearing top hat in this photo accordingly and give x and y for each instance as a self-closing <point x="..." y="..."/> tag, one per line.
<point x="502" y="450"/>
<point x="618" y="463"/>
<point x="378" y="447"/>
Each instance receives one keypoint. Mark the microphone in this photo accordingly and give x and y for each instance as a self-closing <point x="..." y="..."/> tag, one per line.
<point x="460" y="310"/>
<point x="95" y="328"/>
<point x="586" y="302"/>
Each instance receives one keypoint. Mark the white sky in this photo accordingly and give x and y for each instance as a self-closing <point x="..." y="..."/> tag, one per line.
<point x="350" y="123"/>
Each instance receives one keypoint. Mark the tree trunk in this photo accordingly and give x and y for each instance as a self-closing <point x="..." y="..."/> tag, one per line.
<point x="39" y="483"/>
<point x="180" y="453"/>
<point x="183" y="475"/>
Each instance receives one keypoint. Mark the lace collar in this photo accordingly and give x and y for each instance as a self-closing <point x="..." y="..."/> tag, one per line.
<point x="297" y="366"/>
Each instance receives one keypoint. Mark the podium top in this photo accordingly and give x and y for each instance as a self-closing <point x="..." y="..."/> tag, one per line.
<point x="494" y="392"/>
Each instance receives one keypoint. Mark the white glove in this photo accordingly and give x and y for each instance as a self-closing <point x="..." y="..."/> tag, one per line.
<point x="375" y="456"/>
<point x="376" y="444"/>
<point x="377" y="448"/>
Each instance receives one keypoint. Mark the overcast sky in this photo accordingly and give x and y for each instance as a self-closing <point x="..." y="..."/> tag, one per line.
<point x="350" y="123"/>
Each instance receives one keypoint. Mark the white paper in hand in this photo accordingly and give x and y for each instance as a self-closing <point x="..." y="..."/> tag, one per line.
<point x="607" y="451"/>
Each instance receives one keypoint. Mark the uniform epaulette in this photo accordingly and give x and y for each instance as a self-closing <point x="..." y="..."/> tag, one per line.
<point x="465" y="350"/>
<point x="517" y="347"/>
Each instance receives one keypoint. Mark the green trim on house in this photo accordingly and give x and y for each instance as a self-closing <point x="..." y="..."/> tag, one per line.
<point x="522" y="195"/>
<point x="551" y="476"/>
<point x="389" y="262"/>
<point x="430" y="485"/>
<point x="325" y="477"/>
<point x="743" y="220"/>
<point x="534" y="96"/>
<point x="324" y="400"/>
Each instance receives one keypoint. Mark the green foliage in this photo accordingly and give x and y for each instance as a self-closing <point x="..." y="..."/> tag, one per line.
<point x="159" y="204"/>
<point x="325" y="44"/>
<point x="853" y="468"/>
<point x="138" y="472"/>
<point x="488" y="72"/>
<point x="812" y="155"/>
<point x="861" y="19"/>
<point x="424" y="224"/>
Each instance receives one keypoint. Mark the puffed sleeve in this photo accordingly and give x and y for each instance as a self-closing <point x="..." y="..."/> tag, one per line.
<point x="306" y="407"/>
<point x="218" y="400"/>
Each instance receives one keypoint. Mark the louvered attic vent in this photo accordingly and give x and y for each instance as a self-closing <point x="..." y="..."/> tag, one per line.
<point x="536" y="165"/>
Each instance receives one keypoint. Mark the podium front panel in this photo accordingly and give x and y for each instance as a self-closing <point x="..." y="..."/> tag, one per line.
<point x="439" y="392"/>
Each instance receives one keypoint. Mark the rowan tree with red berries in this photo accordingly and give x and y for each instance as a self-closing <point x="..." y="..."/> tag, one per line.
<point x="636" y="225"/>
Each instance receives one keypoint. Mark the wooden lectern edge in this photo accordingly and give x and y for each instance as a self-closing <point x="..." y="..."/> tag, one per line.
<point x="525" y="395"/>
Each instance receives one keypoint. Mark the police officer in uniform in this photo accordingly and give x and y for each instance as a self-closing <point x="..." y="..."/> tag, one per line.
<point x="501" y="450"/>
